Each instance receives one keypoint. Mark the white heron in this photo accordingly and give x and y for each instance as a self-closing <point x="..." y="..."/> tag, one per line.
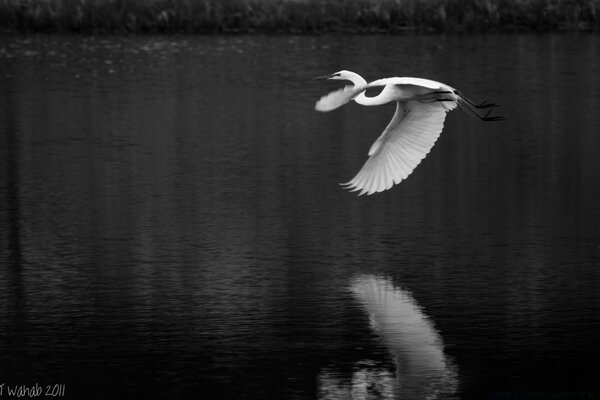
<point x="421" y="107"/>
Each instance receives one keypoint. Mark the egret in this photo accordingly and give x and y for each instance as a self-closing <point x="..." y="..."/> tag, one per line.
<point x="421" y="107"/>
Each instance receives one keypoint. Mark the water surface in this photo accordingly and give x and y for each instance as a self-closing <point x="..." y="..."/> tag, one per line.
<point x="172" y="224"/>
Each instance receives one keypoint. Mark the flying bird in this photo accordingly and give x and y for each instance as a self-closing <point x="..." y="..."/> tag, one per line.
<point x="421" y="107"/>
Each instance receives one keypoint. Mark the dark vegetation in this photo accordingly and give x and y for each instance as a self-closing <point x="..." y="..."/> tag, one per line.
<point x="297" y="16"/>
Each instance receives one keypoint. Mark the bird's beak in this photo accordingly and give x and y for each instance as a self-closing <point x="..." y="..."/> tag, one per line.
<point x="326" y="76"/>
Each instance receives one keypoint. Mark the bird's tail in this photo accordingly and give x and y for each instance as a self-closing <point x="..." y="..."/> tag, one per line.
<point x="338" y="98"/>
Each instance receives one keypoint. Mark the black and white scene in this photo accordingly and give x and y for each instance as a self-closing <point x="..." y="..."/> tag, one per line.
<point x="300" y="199"/>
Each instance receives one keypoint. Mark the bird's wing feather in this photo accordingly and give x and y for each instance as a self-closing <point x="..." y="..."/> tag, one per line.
<point x="396" y="119"/>
<point x="338" y="98"/>
<point x="406" y="140"/>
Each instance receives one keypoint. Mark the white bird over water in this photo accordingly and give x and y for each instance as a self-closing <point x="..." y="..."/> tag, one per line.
<point x="421" y="107"/>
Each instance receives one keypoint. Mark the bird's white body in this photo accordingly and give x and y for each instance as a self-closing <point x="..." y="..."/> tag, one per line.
<point x="403" y="89"/>
<point x="421" y="107"/>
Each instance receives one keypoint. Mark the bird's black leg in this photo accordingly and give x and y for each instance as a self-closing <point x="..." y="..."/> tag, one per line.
<point x="466" y="105"/>
<point x="488" y="118"/>
<point x="481" y="105"/>
<point x="485" y="104"/>
<point x="471" y="107"/>
<point x="442" y="92"/>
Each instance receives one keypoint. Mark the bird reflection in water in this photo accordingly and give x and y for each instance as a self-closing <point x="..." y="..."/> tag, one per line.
<point x="416" y="348"/>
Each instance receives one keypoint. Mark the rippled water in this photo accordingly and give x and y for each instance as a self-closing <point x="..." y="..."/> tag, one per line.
<point x="172" y="224"/>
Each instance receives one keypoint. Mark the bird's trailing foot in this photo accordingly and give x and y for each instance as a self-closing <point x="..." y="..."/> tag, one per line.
<point x="472" y="108"/>
<point x="485" y="104"/>
<point x="488" y="118"/>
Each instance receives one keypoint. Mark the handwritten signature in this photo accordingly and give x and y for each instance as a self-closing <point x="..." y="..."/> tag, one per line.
<point x="57" y="390"/>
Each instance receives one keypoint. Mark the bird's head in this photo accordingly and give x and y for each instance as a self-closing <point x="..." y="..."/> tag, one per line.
<point x="342" y="75"/>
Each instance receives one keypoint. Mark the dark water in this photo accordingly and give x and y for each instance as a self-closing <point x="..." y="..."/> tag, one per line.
<point x="172" y="224"/>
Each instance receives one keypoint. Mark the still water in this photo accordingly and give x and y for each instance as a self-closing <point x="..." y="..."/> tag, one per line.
<point x="172" y="225"/>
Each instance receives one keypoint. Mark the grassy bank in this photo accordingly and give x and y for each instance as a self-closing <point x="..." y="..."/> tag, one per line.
<point x="297" y="16"/>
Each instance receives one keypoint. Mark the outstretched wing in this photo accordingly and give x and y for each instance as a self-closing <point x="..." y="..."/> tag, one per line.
<point x="406" y="140"/>
<point x="338" y="98"/>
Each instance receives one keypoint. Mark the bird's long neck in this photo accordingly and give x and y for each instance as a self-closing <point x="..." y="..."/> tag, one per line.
<point x="362" y="98"/>
<point x="355" y="78"/>
<point x="378" y="100"/>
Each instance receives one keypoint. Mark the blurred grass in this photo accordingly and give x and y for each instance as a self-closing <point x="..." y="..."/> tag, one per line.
<point x="297" y="16"/>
